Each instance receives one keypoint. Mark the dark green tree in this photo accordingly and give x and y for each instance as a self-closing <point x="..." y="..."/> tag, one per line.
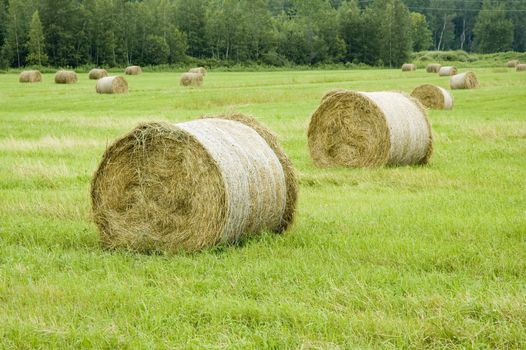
<point x="493" y="31"/>
<point x="421" y="35"/>
<point x="190" y="16"/>
<point x="36" y="44"/>
<point x="156" y="50"/>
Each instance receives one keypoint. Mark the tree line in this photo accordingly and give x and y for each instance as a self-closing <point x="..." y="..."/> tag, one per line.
<point x="273" y="32"/>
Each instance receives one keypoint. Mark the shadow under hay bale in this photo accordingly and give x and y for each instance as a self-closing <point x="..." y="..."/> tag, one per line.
<point x="521" y="67"/>
<point x="133" y="70"/>
<point x="97" y="73"/>
<point x="408" y="67"/>
<point x="201" y="70"/>
<point x="111" y="85"/>
<point x="191" y="79"/>
<point x="447" y="71"/>
<point x="30" y="76"/>
<point x="466" y="80"/>
<point x="433" y="68"/>
<point x="512" y="63"/>
<point x="187" y="186"/>
<point x="365" y="129"/>
<point x="432" y="96"/>
<point x="65" y="77"/>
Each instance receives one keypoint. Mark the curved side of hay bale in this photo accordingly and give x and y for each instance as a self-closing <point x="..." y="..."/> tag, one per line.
<point x="521" y="67"/>
<point x="97" y="73"/>
<point x="133" y="70"/>
<point x="65" y="77"/>
<point x="170" y="187"/>
<point x="191" y="79"/>
<point x="362" y="129"/>
<point x="433" y="67"/>
<point x="432" y="96"/>
<point x="408" y="67"/>
<point x="466" y="80"/>
<point x="30" y="76"/>
<point x="111" y="85"/>
<point x="201" y="70"/>
<point x="447" y="70"/>
<point x="512" y="63"/>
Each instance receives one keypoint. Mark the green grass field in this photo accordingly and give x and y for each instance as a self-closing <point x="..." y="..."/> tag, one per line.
<point x="407" y="257"/>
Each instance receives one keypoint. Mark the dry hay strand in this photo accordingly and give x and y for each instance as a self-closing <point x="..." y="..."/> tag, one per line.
<point x="521" y="67"/>
<point x="111" y="85"/>
<point x="408" y="67"/>
<point x="191" y="79"/>
<point x="133" y="70"/>
<point x="433" y="67"/>
<point x="97" y="73"/>
<point x="200" y="70"/>
<point x="65" y="77"/>
<point x="432" y="96"/>
<point x="187" y="186"/>
<point x="30" y="76"/>
<point x="366" y="129"/>
<point x="447" y="71"/>
<point x="466" y="80"/>
<point x="512" y="63"/>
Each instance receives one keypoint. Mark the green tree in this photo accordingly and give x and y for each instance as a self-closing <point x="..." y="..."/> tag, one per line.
<point x="156" y="50"/>
<point x="36" y="44"/>
<point x="493" y="31"/>
<point x="190" y="16"/>
<point x="421" y="35"/>
<point x="14" y="49"/>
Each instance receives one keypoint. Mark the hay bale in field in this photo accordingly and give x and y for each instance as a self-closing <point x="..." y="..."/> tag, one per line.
<point x="111" y="85"/>
<point x="65" y="77"/>
<point x="133" y="70"/>
<point x="97" y="73"/>
<point x="466" y="80"/>
<point x="363" y="129"/>
<point x="433" y="96"/>
<point x="408" y="67"/>
<point x="433" y="68"/>
<point x="201" y="70"/>
<point x="191" y="79"/>
<point x="512" y="63"/>
<point x="521" y="67"/>
<point x="187" y="186"/>
<point x="447" y="70"/>
<point x="30" y="76"/>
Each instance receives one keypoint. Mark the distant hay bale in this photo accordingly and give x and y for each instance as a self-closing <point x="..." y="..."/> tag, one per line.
<point x="466" y="80"/>
<point x="433" y="67"/>
<point x="521" y="67"/>
<point x="512" y="63"/>
<point x="112" y="85"/>
<point x="65" y="77"/>
<point x="191" y="79"/>
<point x="133" y="70"/>
<point x="447" y="70"/>
<point x="433" y="96"/>
<point x="30" y="76"/>
<point x="365" y="129"/>
<point x="408" y="67"/>
<point x="97" y="73"/>
<point x="187" y="186"/>
<point x="201" y="70"/>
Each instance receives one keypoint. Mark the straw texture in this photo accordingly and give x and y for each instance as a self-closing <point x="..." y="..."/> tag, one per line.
<point x="201" y="70"/>
<point x="466" y="80"/>
<point x="521" y="67"/>
<point x="30" y="76"/>
<point x="111" y="85"/>
<point x="447" y="71"/>
<point x="133" y="70"/>
<point x="408" y="67"/>
<point x="96" y="73"/>
<point x="433" y="67"/>
<point x="432" y="96"/>
<point x="65" y="77"/>
<point x="512" y="63"/>
<point x="191" y="79"/>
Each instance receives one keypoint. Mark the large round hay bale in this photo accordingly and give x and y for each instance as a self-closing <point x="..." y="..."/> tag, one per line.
<point x="466" y="80"/>
<point x="65" y="77"/>
<point x="187" y="186"/>
<point x="133" y="70"/>
<point x="447" y="70"/>
<point x="97" y="73"/>
<point x="191" y="79"/>
<point x="433" y="96"/>
<point x="111" y="85"/>
<point x="30" y="76"/>
<point x="363" y="129"/>
<point x="521" y="67"/>
<point x="433" y="67"/>
<point x="408" y="67"/>
<point x="512" y="63"/>
<point x="201" y="70"/>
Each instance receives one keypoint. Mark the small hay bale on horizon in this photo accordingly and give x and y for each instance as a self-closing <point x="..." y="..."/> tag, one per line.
<point x="466" y="80"/>
<point x="97" y="73"/>
<point x="521" y="67"/>
<point x="30" y="76"/>
<point x="65" y="77"/>
<point x="367" y="129"/>
<point x="447" y="71"/>
<point x="191" y="79"/>
<point x="133" y="70"/>
<point x="408" y="67"/>
<point x="432" y="96"/>
<point x="201" y="70"/>
<point x="512" y="63"/>
<point x="433" y="67"/>
<point x="112" y="85"/>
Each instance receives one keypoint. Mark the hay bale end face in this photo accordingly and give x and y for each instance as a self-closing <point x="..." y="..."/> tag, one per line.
<point x="521" y="67"/>
<point x="112" y="85"/>
<point x="201" y="70"/>
<point x="65" y="77"/>
<point x="30" y="76"/>
<point x="408" y="67"/>
<point x="187" y="186"/>
<point x="466" y="80"/>
<point x="191" y="79"/>
<point x="365" y="129"/>
<point x="447" y="71"/>
<point x="512" y="63"/>
<point x="433" y="67"/>
<point x="432" y="96"/>
<point x="133" y="70"/>
<point x="96" y="74"/>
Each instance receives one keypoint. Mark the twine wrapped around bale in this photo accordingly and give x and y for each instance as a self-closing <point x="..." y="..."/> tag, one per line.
<point x="187" y="186"/>
<point x="512" y="63"/>
<point x="447" y="70"/>
<point x="201" y="70"/>
<point x="191" y="79"/>
<point x="97" y="73"/>
<point x="432" y="96"/>
<point x="65" y="77"/>
<point x="408" y="67"/>
<point x="30" y="76"/>
<point x="133" y="70"/>
<point x="365" y="129"/>
<point x="433" y="67"/>
<point x="466" y="80"/>
<point x="521" y="67"/>
<point x="111" y="85"/>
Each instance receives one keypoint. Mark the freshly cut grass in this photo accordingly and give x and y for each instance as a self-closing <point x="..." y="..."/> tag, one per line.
<point x="466" y="80"/>
<point x="201" y="70"/>
<point x="521" y="67"/>
<point x="112" y="85"/>
<point x="432" y="96"/>
<point x="512" y="63"/>
<point x="365" y="129"/>
<point x="65" y="77"/>
<point x="447" y="71"/>
<point x="97" y="73"/>
<point x="433" y="67"/>
<point x="30" y="76"/>
<point x="408" y="67"/>
<point x="191" y="79"/>
<point x="133" y="70"/>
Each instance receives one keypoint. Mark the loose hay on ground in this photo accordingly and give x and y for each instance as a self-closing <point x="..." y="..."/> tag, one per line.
<point x="97" y="73"/>
<point x="433" y="67"/>
<point x="65" y="77"/>
<point x="191" y="79"/>
<point x="433" y="96"/>
<point x="408" y="67"/>
<point x="447" y="70"/>
<point x="111" y="85"/>
<point x="133" y="70"/>
<point x="466" y="80"/>
<point x="30" y="76"/>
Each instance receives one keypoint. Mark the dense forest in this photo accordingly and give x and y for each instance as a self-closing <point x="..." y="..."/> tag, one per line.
<point x="273" y="32"/>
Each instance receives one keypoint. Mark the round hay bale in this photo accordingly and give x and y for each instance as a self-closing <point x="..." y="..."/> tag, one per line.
<point x="187" y="186"/>
<point x="365" y="129"/>
<point x="111" y="85"/>
<point x="408" y="67"/>
<point x="433" y="67"/>
<point x="65" y="77"/>
<point x="466" y="80"/>
<point x="201" y="70"/>
<point x="97" y="73"/>
<point x="447" y="70"/>
<point x="191" y="79"/>
<point x="433" y="96"/>
<point x="30" y="76"/>
<point x="512" y="63"/>
<point x="521" y="67"/>
<point x="133" y="70"/>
